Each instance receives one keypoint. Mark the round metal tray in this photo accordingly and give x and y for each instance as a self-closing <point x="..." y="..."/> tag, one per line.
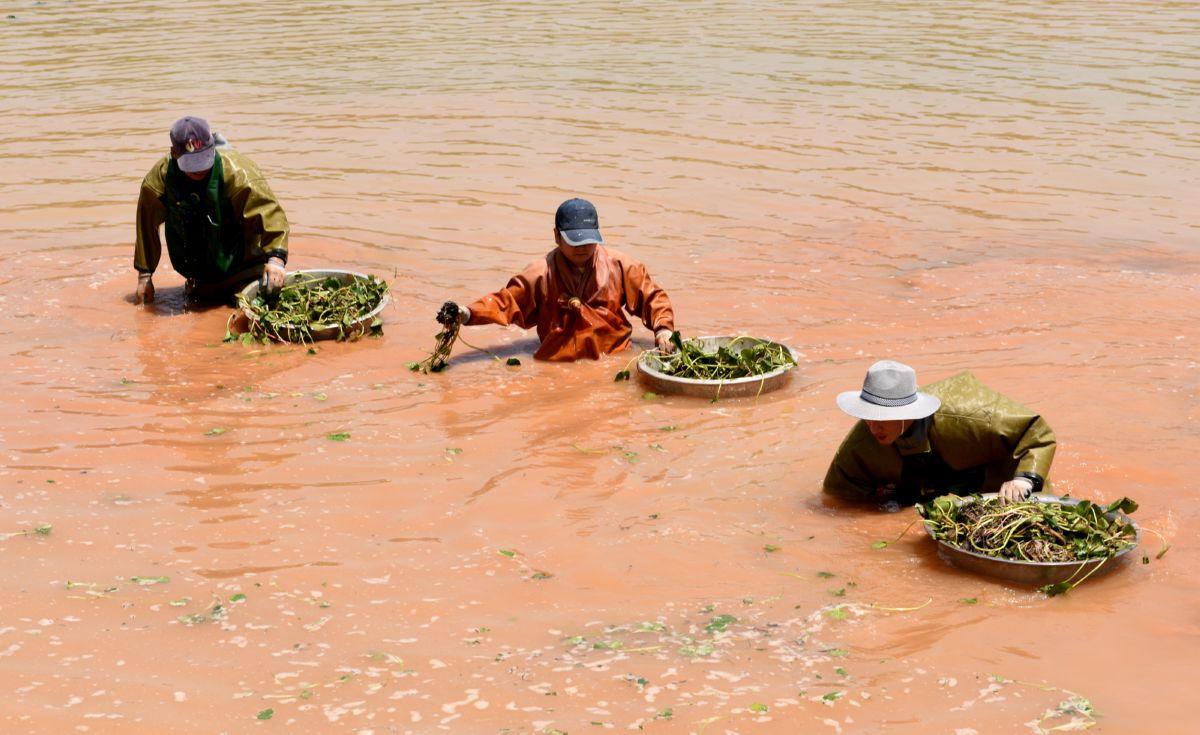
<point x="649" y="374"/>
<point x="324" y="331"/>
<point x="1031" y="572"/>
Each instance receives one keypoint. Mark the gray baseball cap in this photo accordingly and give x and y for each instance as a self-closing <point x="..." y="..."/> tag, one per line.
<point x="889" y="393"/>
<point x="192" y="140"/>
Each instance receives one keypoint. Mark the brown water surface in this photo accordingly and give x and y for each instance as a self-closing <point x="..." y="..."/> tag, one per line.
<point x="1007" y="187"/>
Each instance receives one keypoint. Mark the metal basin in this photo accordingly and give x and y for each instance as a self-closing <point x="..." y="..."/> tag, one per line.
<point x="649" y="373"/>
<point x="1032" y="572"/>
<point x="323" y="331"/>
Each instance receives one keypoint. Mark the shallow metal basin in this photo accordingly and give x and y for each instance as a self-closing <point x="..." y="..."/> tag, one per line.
<point x="323" y="331"/>
<point x="649" y="363"/>
<point x="1031" y="572"/>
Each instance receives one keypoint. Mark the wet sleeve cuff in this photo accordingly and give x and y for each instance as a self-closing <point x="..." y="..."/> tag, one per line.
<point x="1037" y="480"/>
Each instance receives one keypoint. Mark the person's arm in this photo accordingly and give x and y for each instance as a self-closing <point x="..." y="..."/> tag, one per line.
<point x="517" y="303"/>
<point x="860" y="470"/>
<point x="1033" y="445"/>
<point x="147" y="249"/>
<point x="648" y="301"/>
<point x="263" y="219"/>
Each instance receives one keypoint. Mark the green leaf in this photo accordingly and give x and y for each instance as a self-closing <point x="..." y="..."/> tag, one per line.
<point x="319" y="396"/>
<point x="699" y="650"/>
<point x="454" y="450"/>
<point x="266" y="714"/>
<point x="826" y="575"/>
<point x="512" y="362"/>
<point x="831" y="696"/>
<point x="1124" y="505"/>
<point x="621" y="375"/>
<point x="720" y="623"/>
<point x="414" y="366"/>
<point x="770" y="548"/>
<point x="180" y="602"/>
<point x="541" y="575"/>
<point x="649" y="396"/>
<point x="837" y="652"/>
<point x="879" y="545"/>
<point x="839" y="671"/>
<point x="508" y="552"/>
<point x="837" y="613"/>
<point x="1053" y="590"/>
<point x="758" y="707"/>
<point x="839" y="592"/>
<point x="247" y="339"/>
<point x="969" y="600"/>
<point x="666" y="714"/>
<point x="677" y="340"/>
<point x="149" y="580"/>
<point x="216" y="431"/>
<point x="237" y="598"/>
<point x="338" y="436"/>
<point x="44" y="529"/>
<point x="607" y="645"/>
<point x="631" y="457"/>
<point x="669" y="427"/>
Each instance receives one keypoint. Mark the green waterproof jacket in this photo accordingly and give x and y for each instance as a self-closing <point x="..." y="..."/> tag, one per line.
<point x="976" y="441"/>
<point x="215" y="228"/>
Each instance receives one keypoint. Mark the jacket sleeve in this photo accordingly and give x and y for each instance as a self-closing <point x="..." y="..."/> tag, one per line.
<point x="856" y="474"/>
<point x="516" y="303"/>
<point x="151" y="213"/>
<point x="647" y="300"/>
<point x="1033" y="444"/>
<point x="263" y="220"/>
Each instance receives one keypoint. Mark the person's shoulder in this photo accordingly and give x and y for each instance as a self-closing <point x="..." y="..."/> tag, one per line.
<point x="156" y="178"/>
<point x="964" y="396"/>
<point x="238" y="168"/>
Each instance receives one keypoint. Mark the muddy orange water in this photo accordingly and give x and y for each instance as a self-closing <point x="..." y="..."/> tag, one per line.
<point x="1008" y="187"/>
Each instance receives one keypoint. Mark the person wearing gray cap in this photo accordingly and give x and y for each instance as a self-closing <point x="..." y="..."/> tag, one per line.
<point x="224" y="226"/>
<point x="955" y="436"/>
<point x="576" y="295"/>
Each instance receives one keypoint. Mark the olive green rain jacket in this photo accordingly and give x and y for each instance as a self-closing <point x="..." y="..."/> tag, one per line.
<point x="226" y="225"/>
<point x="976" y="441"/>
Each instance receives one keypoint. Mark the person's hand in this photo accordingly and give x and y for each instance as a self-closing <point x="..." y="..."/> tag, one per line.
<point x="274" y="274"/>
<point x="662" y="340"/>
<point x="145" y="289"/>
<point x="1015" y="490"/>
<point x="451" y="313"/>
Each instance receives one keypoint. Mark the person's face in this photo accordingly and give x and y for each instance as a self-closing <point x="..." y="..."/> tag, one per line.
<point x="887" y="432"/>
<point x="577" y="255"/>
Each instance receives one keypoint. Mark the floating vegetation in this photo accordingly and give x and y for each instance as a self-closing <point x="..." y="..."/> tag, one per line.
<point x="308" y="304"/>
<point x="42" y="530"/>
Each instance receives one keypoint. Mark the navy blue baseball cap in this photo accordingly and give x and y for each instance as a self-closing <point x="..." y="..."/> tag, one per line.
<point x="576" y="220"/>
<point x="192" y="141"/>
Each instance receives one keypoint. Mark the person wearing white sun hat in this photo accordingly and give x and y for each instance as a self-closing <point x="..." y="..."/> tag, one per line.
<point x="956" y="435"/>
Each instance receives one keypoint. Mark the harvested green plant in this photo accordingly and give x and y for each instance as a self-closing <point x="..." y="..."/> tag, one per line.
<point x="306" y="304"/>
<point x="742" y="357"/>
<point x="1032" y="530"/>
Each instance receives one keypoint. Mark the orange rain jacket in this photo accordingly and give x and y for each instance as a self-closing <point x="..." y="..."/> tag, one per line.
<point x="578" y="314"/>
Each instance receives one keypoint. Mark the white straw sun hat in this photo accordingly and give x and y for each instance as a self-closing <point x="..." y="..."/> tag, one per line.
<point x="889" y="393"/>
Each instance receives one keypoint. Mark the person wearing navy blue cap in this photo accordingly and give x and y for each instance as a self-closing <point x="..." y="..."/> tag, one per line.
<point x="577" y="296"/>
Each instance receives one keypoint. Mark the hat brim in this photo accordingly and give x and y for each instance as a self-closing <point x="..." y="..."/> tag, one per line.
<point x="198" y="161"/>
<point x="575" y="238"/>
<point x="851" y="402"/>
